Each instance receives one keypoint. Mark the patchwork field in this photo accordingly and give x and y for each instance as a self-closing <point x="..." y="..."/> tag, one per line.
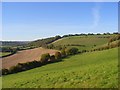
<point x="97" y="69"/>
<point x="25" y="56"/>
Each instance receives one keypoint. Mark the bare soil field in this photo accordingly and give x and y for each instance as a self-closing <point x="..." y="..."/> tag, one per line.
<point x="25" y="56"/>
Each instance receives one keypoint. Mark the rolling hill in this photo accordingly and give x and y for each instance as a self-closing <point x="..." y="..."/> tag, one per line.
<point x="97" y="69"/>
<point x="14" y="43"/>
<point x="83" y="42"/>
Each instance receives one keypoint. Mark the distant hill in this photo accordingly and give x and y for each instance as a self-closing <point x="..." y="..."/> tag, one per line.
<point x="43" y="42"/>
<point x="14" y="43"/>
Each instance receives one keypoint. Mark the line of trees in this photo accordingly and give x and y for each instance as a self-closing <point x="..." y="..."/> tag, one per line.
<point x="8" y="49"/>
<point x="114" y="38"/>
<point x="111" y="43"/>
<point x="45" y="59"/>
<point x="60" y="47"/>
<point x="14" y="43"/>
<point x="83" y="34"/>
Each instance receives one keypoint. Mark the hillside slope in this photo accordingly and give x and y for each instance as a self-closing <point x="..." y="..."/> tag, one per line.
<point x="25" y="56"/>
<point x="96" y="69"/>
<point x="83" y="42"/>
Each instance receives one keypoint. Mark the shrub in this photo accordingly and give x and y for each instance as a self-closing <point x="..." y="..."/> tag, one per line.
<point x="118" y="43"/>
<point x="71" y="51"/>
<point x="5" y="71"/>
<point x="57" y="55"/>
<point x="63" y="53"/>
<point x="23" y="66"/>
<point x="85" y="51"/>
<point x="51" y="46"/>
<point x="30" y="65"/>
<point x="98" y="34"/>
<point x="117" y="37"/>
<point x="36" y="63"/>
<point x="45" y="58"/>
<point x="59" y="47"/>
<point x="52" y="58"/>
<point x="15" y="69"/>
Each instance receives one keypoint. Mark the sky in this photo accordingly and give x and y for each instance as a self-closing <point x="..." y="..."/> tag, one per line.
<point x="27" y="21"/>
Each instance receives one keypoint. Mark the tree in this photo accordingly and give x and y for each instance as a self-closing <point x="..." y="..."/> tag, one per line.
<point x="51" y="46"/>
<point x="57" y="37"/>
<point x="59" y="47"/>
<point x="115" y="33"/>
<point x="84" y="51"/>
<point x="45" y="58"/>
<point x="118" y="43"/>
<point x="63" y="53"/>
<point x="5" y="71"/>
<point x="52" y="58"/>
<point x="15" y="69"/>
<point x="118" y="37"/>
<point x="71" y="51"/>
<point x="57" y="55"/>
<point x="98" y="34"/>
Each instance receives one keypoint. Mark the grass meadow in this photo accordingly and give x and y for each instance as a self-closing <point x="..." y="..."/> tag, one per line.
<point x="89" y="41"/>
<point x="97" y="69"/>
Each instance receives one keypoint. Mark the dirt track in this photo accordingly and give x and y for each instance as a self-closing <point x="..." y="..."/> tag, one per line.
<point x="25" y="56"/>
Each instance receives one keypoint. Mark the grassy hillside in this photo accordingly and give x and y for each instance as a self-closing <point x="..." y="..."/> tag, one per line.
<point x="83" y="42"/>
<point x="43" y="42"/>
<point x="96" y="69"/>
<point x="4" y="54"/>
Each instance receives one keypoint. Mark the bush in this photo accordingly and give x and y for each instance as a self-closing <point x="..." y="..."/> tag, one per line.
<point x="52" y="58"/>
<point x="15" y="69"/>
<point x="30" y="65"/>
<point x="84" y="51"/>
<point x="57" y="55"/>
<point x="118" y="43"/>
<point x="5" y="71"/>
<point x="45" y="58"/>
<point x="59" y="47"/>
<point x="71" y="51"/>
<point x="51" y="46"/>
<point x="21" y="67"/>
<point x="63" y="53"/>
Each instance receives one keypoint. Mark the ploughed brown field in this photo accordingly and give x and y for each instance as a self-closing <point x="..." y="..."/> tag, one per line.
<point x="25" y="56"/>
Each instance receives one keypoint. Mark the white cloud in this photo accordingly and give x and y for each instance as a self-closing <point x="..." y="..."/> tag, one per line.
<point x="96" y="16"/>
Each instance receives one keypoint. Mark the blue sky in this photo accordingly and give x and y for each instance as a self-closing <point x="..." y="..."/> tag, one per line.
<point x="31" y="21"/>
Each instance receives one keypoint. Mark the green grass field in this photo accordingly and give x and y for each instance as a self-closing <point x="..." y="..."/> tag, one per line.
<point x="4" y="53"/>
<point x="93" y="69"/>
<point x="89" y="41"/>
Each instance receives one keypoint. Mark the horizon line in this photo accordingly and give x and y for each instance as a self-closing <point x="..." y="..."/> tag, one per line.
<point x="58" y="35"/>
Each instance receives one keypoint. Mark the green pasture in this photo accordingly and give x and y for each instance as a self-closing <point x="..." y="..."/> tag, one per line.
<point x="97" y="69"/>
